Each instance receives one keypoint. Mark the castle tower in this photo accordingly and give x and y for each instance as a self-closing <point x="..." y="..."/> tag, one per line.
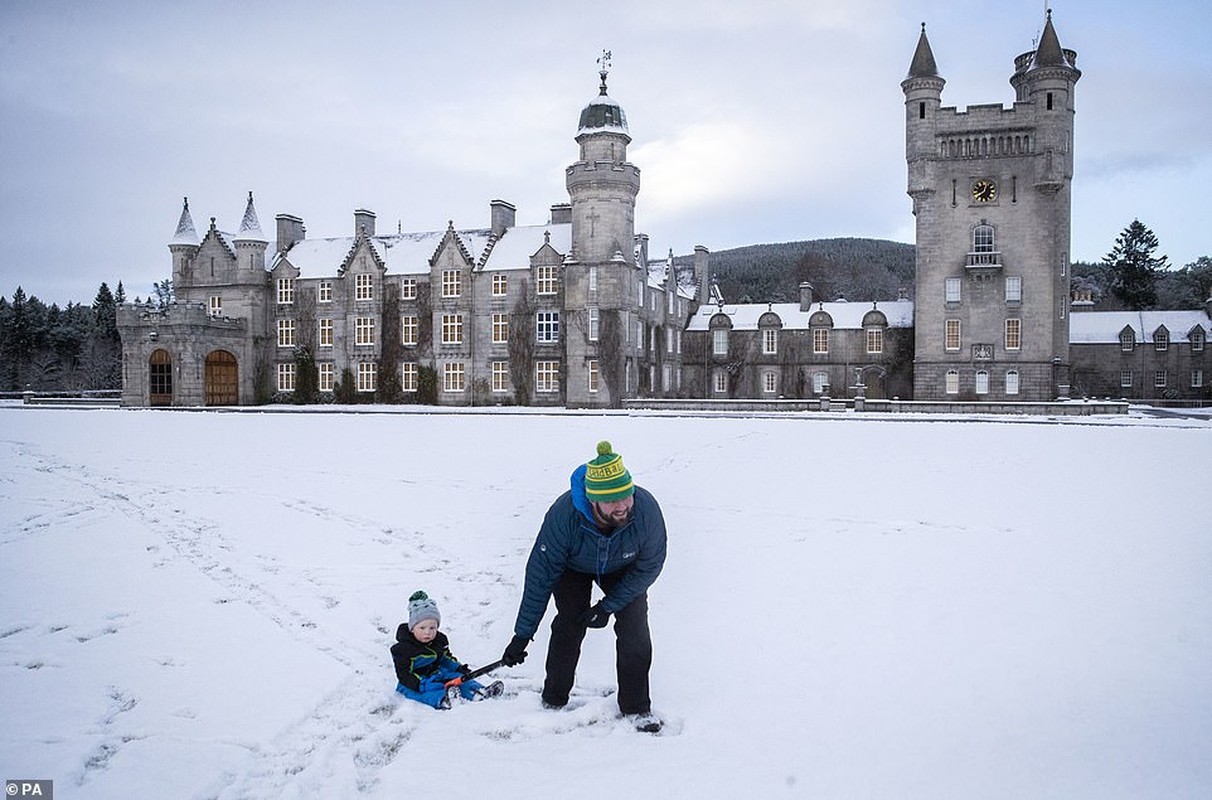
<point x="602" y="279"/>
<point x="991" y="198"/>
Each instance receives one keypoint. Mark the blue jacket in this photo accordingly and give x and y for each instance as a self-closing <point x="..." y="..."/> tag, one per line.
<point x="569" y="540"/>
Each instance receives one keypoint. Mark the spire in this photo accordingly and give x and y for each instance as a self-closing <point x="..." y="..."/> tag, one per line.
<point x="923" y="65"/>
<point x="1049" y="53"/>
<point x="186" y="234"/>
<point x="250" y="227"/>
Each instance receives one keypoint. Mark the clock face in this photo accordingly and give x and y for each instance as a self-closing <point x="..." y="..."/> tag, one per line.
<point x="984" y="191"/>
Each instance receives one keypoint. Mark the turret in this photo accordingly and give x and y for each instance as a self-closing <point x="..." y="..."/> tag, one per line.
<point x="184" y="246"/>
<point x="1045" y="78"/>
<point x="923" y="88"/>
<point x="250" y="242"/>
<point x="602" y="185"/>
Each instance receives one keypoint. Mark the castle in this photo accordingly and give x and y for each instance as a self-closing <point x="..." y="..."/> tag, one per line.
<point x="574" y="312"/>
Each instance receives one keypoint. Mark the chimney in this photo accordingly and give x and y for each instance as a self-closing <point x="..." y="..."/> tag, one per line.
<point x="700" y="273"/>
<point x="364" y="221"/>
<point x="641" y="248"/>
<point x="504" y="216"/>
<point x="561" y="214"/>
<point x="805" y="296"/>
<point x="290" y="230"/>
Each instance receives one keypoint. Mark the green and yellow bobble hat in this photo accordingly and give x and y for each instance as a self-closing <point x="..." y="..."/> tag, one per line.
<point x="606" y="479"/>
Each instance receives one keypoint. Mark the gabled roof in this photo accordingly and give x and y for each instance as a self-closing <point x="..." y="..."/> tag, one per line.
<point x="513" y="249"/>
<point x="845" y="316"/>
<point x="1104" y="327"/>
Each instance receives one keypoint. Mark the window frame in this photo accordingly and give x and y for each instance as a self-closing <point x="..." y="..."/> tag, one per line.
<point x="547" y="327"/>
<point x="364" y="331"/>
<point x="410" y="330"/>
<point x="452" y="329"/>
<point x="546" y="376"/>
<point x="452" y="283"/>
<point x="1013" y="340"/>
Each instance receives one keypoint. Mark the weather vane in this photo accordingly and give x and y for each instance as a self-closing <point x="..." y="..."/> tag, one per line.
<point x="604" y="61"/>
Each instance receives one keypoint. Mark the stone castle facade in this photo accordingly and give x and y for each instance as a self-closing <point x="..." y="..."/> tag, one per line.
<point x="574" y="313"/>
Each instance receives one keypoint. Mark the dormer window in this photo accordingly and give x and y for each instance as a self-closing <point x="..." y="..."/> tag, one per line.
<point x="1127" y="340"/>
<point x="1161" y="340"/>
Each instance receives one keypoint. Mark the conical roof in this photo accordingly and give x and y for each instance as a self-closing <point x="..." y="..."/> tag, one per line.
<point x="250" y="226"/>
<point x="923" y="65"/>
<point x="186" y="234"/>
<point x="1049" y="52"/>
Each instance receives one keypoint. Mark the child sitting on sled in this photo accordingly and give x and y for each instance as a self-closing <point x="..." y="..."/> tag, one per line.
<point x="424" y="663"/>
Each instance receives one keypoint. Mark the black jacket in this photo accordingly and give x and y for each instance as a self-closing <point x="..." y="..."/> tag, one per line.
<point x="415" y="661"/>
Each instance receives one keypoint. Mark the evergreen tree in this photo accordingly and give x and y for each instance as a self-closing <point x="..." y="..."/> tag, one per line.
<point x="1134" y="268"/>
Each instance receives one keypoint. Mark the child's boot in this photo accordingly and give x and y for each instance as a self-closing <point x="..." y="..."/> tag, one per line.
<point x="493" y="689"/>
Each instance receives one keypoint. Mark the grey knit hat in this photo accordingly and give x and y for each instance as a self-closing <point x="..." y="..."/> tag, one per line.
<point x="421" y="607"/>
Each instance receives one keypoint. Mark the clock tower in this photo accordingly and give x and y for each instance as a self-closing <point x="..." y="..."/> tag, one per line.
<point x="991" y="198"/>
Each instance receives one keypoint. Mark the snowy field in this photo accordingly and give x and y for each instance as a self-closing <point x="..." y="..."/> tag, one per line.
<point x="200" y="605"/>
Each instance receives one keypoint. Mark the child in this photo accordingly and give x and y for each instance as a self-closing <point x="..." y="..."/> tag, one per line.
<point x="424" y="662"/>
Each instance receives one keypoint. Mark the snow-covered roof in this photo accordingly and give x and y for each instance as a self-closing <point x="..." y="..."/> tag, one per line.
<point x="1104" y="327"/>
<point x="250" y="226"/>
<point x="849" y="316"/>
<point x="186" y="233"/>
<point x="410" y="253"/>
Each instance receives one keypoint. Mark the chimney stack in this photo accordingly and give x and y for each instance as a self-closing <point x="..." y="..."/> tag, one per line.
<point x="561" y="214"/>
<point x="805" y="296"/>
<point x="700" y="273"/>
<point x="364" y="221"/>
<point x="504" y="216"/>
<point x="290" y="230"/>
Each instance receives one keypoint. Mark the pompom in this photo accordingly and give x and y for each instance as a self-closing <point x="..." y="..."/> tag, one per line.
<point x="418" y="595"/>
<point x="604" y="448"/>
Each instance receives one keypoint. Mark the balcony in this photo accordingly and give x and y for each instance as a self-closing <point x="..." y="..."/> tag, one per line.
<point x="983" y="262"/>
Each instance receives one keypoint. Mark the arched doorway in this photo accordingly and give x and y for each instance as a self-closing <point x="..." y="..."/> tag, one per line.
<point x="222" y="379"/>
<point x="875" y="379"/>
<point x="160" y="378"/>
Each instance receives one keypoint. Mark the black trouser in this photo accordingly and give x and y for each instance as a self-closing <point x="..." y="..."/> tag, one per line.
<point x="633" y="642"/>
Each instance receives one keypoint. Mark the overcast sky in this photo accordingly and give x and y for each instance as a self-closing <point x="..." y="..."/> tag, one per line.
<point x="767" y="121"/>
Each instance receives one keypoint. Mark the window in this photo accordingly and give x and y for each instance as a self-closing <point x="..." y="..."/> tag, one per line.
<point x="1125" y="379"/>
<point x="666" y="377"/>
<point x="286" y="377"/>
<point x="408" y="289"/>
<point x="364" y="287"/>
<point x="286" y="333"/>
<point x="1197" y="340"/>
<point x="875" y="341"/>
<point x="367" y="373"/>
<point x="1014" y="334"/>
<point x="547" y="326"/>
<point x="327" y="376"/>
<point x="452" y="283"/>
<point x="1127" y="340"/>
<point x="720" y="382"/>
<point x="639" y="336"/>
<point x="500" y="328"/>
<point x="160" y="377"/>
<point x="770" y="382"/>
<point x="952" y="381"/>
<point x="820" y="383"/>
<point x="668" y="332"/>
<point x="639" y="294"/>
<point x="325" y="332"/>
<point x="1160" y="379"/>
<point x="594" y="325"/>
<point x="1197" y="379"/>
<point x="593" y="279"/>
<point x="952" y="290"/>
<point x="215" y="306"/>
<point x="547" y="376"/>
<point x="1014" y="289"/>
<point x="594" y="377"/>
<point x="951" y="335"/>
<point x="1161" y="340"/>
<point x="500" y="376"/>
<point x="364" y="331"/>
<point x="982" y="239"/>
<point x="500" y="285"/>
<point x="629" y="380"/>
<point x="410" y="330"/>
<point x="982" y="382"/>
<point x="408" y="376"/>
<point x="454" y="377"/>
<point x="719" y="342"/>
<point x="546" y="280"/>
<point x="770" y="341"/>
<point x="1012" y="382"/>
<point x="820" y="340"/>
<point x="670" y="295"/>
<point x="324" y="292"/>
<point x="286" y="291"/>
<point x="452" y="331"/>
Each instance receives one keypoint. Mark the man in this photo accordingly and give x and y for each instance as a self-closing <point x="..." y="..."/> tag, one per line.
<point x="603" y="530"/>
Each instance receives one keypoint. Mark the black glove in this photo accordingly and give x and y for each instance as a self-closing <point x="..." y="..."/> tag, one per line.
<point x="465" y="670"/>
<point x="595" y="617"/>
<point x="515" y="653"/>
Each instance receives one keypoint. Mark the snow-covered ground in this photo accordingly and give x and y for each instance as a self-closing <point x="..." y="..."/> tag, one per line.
<point x="199" y="605"/>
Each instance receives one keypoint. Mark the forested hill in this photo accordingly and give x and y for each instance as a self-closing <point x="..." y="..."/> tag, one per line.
<point x="856" y="269"/>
